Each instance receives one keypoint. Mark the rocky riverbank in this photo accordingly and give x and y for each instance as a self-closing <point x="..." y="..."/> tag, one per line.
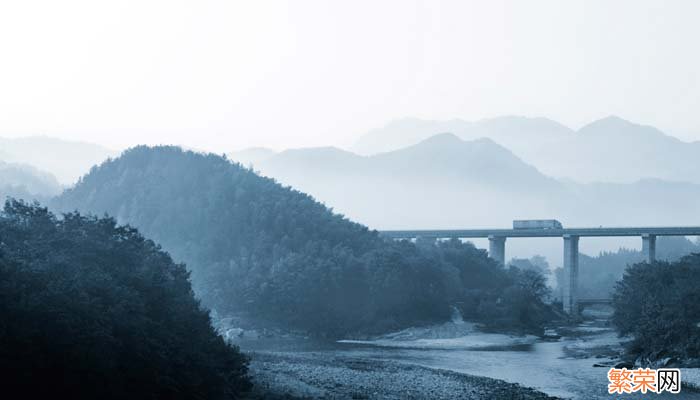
<point x="317" y="376"/>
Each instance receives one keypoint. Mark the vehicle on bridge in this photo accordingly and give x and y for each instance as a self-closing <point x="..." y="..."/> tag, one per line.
<point x="537" y="224"/>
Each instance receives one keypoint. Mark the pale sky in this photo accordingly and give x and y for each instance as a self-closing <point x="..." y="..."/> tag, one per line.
<point x="225" y="75"/>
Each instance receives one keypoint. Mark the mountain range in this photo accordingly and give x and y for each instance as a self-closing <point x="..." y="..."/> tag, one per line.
<point x="607" y="150"/>
<point x="411" y="174"/>
<point x="443" y="176"/>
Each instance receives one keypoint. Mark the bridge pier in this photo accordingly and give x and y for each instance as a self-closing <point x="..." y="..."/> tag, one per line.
<point x="649" y="247"/>
<point x="570" y="289"/>
<point x="497" y="249"/>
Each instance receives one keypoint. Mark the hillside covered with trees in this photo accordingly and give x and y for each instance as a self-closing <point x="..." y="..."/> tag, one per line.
<point x="659" y="306"/>
<point x="89" y="310"/>
<point x="270" y="253"/>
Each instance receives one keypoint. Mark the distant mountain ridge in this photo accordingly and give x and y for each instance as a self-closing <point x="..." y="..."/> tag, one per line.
<point x="607" y="150"/>
<point x="442" y="157"/>
<point x="26" y="182"/>
<point x="506" y="130"/>
<point x="615" y="150"/>
<point x="66" y="160"/>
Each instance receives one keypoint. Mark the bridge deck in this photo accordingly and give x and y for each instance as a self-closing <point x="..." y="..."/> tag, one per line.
<point x="483" y="233"/>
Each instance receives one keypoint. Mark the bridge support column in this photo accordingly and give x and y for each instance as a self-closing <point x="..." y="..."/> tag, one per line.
<point x="649" y="247"/>
<point x="570" y="289"/>
<point x="497" y="249"/>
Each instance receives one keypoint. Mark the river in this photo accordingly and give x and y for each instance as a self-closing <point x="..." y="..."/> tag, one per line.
<point x="562" y="368"/>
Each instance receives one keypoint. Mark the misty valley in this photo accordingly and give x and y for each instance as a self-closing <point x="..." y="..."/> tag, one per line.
<point x="349" y="200"/>
<point x="161" y="272"/>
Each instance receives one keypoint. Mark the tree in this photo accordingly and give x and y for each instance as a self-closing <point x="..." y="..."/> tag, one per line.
<point x="658" y="305"/>
<point x="89" y="309"/>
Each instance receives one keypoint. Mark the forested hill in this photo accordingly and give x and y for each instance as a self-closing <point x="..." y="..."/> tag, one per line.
<point x="268" y="252"/>
<point x="204" y="208"/>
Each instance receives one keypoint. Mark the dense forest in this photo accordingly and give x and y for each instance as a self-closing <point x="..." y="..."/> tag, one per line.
<point x="265" y="252"/>
<point x="658" y="304"/>
<point x="92" y="310"/>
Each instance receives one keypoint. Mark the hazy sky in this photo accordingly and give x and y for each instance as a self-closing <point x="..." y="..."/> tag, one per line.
<point x="224" y="75"/>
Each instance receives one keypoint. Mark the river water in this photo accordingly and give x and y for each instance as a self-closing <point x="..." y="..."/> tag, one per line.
<point x="562" y="368"/>
<point x="545" y="366"/>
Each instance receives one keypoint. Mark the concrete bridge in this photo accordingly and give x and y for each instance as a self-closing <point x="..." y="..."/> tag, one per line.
<point x="497" y="245"/>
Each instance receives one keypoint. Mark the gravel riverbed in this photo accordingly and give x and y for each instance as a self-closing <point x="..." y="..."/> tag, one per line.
<point x="317" y="376"/>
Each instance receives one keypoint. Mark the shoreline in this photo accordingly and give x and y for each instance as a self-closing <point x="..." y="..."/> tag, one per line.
<point x="312" y="375"/>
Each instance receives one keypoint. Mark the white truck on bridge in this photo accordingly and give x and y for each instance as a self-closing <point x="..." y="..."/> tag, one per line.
<point x="537" y="224"/>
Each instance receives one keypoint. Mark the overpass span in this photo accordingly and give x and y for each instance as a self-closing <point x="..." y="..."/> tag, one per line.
<point x="581" y="232"/>
<point x="497" y="244"/>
